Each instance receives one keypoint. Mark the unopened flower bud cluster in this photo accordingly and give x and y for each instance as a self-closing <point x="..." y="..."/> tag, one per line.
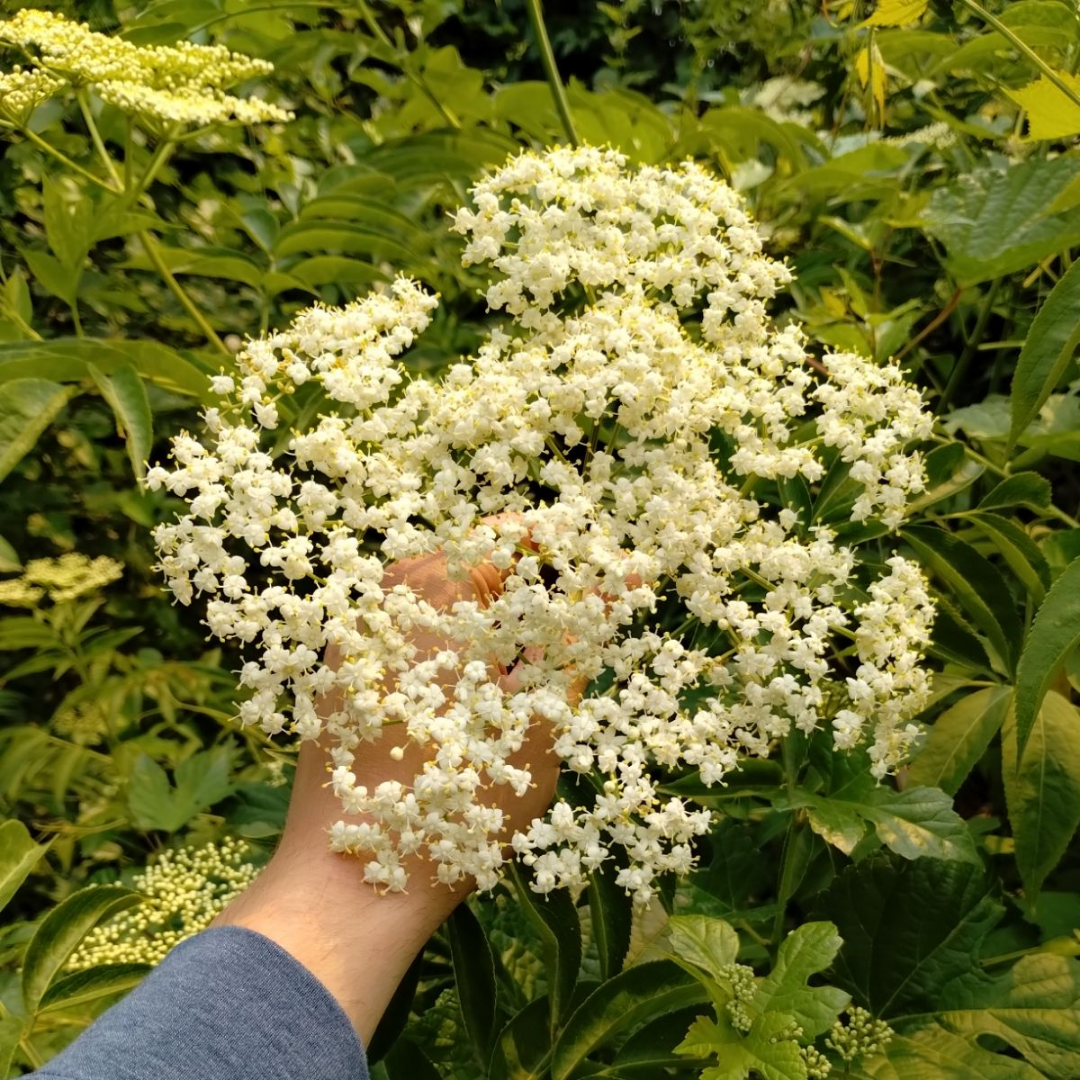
<point x="65" y="578"/>
<point x="860" y="1036"/>
<point x="184" y="890"/>
<point x="603" y="450"/>
<point x="180" y="84"/>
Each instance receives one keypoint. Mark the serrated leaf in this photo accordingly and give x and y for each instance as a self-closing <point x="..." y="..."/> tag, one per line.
<point x="474" y="978"/>
<point x="1051" y="113"/>
<point x="1034" y="1008"/>
<point x="11" y="1029"/>
<point x="708" y="943"/>
<point x="909" y="928"/>
<point x="996" y="221"/>
<point x="1043" y="790"/>
<point x="201" y="781"/>
<point x="126" y="395"/>
<point x="920" y="822"/>
<point x="870" y="68"/>
<point x="805" y="952"/>
<point x="762" y="1051"/>
<point x="62" y="930"/>
<point x="897" y="12"/>
<point x="1020" y="489"/>
<point x="959" y="737"/>
<point x="82" y="987"/>
<point x="933" y="1053"/>
<point x="1018" y="550"/>
<point x="610" y="910"/>
<point x="556" y="920"/>
<point x="27" y="408"/>
<point x="1054" y="634"/>
<point x="977" y="584"/>
<point x="1047" y="352"/>
<point x="633" y="996"/>
<point x="18" y="856"/>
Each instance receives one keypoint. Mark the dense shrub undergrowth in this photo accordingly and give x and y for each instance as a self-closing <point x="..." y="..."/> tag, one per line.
<point x="914" y="164"/>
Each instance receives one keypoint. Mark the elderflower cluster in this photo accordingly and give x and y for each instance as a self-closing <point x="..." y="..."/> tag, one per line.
<point x="183" y="892"/>
<point x="622" y="449"/>
<point x="66" y="578"/>
<point x="22" y="91"/>
<point x="182" y="83"/>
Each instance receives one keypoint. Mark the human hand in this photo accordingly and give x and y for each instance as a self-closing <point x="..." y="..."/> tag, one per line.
<point x="315" y="903"/>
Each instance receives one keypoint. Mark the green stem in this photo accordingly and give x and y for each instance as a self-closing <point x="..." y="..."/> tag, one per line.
<point x="252" y="9"/>
<point x="1023" y="48"/>
<point x="149" y="243"/>
<point x="157" y="161"/>
<point x="547" y="56"/>
<point x="960" y="369"/>
<point x="39" y="142"/>
<point x="27" y="1047"/>
<point x="96" y="139"/>
<point x="405" y="63"/>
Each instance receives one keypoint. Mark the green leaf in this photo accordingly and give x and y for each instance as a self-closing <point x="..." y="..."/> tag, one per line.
<point x="201" y="781"/>
<point x="1054" y="634"/>
<point x="27" y="408"/>
<point x="995" y="221"/>
<point x="976" y="583"/>
<point x="633" y="996"/>
<point x="82" y="987"/>
<point x="11" y="1029"/>
<point x="66" y="360"/>
<point x="897" y="12"/>
<point x="1048" y="351"/>
<point x="126" y="395"/>
<point x="958" y="739"/>
<point x="610" y="910"/>
<point x="9" y="558"/>
<point x="62" y="930"/>
<point x="523" y="1049"/>
<point x="909" y="928"/>
<point x="918" y="822"/>
<point x="1034" y="1008"/>
<point x="932" y="1053"/>
<point x="805" y="952"/>
<point x="1043" y="790"/>
<point x="763" y="1051"/>
<point x="653" y="1047"/>
<point x="406" y="1061"/>
<point x="1021" y="489"/>
<point x="556" y="920"/>
<point x="1051" y="113"/>
<point x="708" y="943"/>
<point x="18" y="856"/>
<point x="1018" y="549"/>
<point x="474" y="977"/>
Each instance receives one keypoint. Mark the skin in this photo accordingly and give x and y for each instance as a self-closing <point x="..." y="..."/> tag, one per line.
<point x="314" y="903"/>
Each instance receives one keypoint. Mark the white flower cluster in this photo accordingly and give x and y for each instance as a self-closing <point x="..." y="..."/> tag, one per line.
<point x="183" y="892"/>
<point x="602" y="451"/>
<point x="182" y="83"/>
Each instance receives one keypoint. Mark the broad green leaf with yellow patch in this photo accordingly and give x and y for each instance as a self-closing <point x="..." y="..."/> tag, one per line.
<point x="1052" y="114"/>
<point x="897" y="12"/>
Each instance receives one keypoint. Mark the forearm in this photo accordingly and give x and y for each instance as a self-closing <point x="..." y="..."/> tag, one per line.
<point x="316" y="906"/>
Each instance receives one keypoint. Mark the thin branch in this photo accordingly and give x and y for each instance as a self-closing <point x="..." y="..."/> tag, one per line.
<point x="551" y="70"/>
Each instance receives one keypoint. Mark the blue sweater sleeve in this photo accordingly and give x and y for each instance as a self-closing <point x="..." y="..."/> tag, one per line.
<point x="227" y="1004"/>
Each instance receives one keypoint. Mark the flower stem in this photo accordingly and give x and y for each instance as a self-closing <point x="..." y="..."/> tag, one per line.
<point x="405" y="63"/>
<point x="96" y="139"/>
<point x="547" y="56"/>
<point x="39" y="142"/>
<point x="964" y="362"/>
<point x="153" y="252"/>
<point x="1022" y="47"/>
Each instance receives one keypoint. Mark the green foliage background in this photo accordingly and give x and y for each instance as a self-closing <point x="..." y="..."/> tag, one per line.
<point x="926" y="216"/>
